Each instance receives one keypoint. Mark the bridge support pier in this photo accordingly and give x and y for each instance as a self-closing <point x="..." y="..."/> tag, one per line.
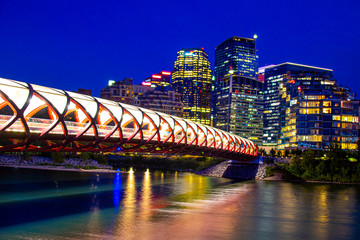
<point x="236" y="170"/>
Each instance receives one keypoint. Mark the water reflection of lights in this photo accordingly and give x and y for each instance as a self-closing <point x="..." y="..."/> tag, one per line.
<point x="128" y="215"/>
<point x="321" y="212"/>
<point x="146" y="195"/>
<point x="117" y="189"/>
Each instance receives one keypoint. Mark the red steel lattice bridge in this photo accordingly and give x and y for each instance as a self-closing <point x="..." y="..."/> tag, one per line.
<point x="42" y="119"/>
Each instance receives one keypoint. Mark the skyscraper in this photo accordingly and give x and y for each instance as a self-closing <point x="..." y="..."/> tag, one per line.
<point x="238" y="95"/>
<point x="192" y="79"/>
<point x="240" y="107"/>
<point x="238" y="54"/>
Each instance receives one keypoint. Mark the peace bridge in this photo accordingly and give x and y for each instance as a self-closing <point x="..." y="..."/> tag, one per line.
<point x="43" y="119"/>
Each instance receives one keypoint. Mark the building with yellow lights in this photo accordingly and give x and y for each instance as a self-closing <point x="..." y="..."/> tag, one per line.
<point x="192" y="79"/>
<point x="304" y="107"/>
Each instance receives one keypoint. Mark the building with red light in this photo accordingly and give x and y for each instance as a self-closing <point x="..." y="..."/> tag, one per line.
<point x="159" y="79"/>
<point x="261" y="76"/>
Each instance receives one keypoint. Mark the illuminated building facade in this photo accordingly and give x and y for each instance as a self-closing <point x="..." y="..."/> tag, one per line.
<point x="240" y="107"/>
<point x="140" y="90"/>
<point x="162" y="78"/>
<point x="161" y="99"/>
<point x="261" y="73"/>
<point x="192" y="80"/>
<point x="304" y="107"/>
<point x="237" y="95"/>
<point x="237" y="55"/>
<point x="120" y="91"/>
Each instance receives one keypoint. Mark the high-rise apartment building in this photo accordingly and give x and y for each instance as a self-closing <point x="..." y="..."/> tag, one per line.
<point x="304" y="107"/>
<point x="192" y="79"/>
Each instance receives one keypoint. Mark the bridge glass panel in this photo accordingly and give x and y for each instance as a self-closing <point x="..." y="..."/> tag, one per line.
<point x="165" y="131"/>
<point x="210" y="141"/>
<point x="55" y="97"/>
<point x="148" y="128"/>
<point x="179" y="133"/>
<point x="113" y="107"/>
<point x="76" y="119"/>
<point x="129" y="125"/>
<point x="16" y="92"/>
<point x="191" y="134"/>
<point x="218" y="140"/>
<point x="39" y="116"/>
<point x="201" y="135"/>
<point x="225" y="138"/>
<point x="6" y="112"/>
<point x="88" y="104"/>
<point x="106" y="122"/>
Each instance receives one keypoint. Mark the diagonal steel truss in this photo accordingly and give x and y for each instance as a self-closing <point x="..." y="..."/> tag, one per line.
<point x="37" y="118"/>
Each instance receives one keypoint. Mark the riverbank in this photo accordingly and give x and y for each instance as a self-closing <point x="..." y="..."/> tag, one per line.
<point x="43" y="163"/>
<point x="172" y="163"/>
<point x="61" y="168"/>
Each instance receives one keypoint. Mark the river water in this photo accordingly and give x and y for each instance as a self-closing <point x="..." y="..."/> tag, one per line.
<point x="38" y="204"/>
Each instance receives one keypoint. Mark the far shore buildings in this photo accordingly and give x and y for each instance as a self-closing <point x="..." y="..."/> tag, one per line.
<point x="161" y="99"/>
<point x="120" y="91"/>
<point x="306" y="108"/>
<point x="156" y="97"/>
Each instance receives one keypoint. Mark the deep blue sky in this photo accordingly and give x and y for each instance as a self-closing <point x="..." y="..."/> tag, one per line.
<point x="82" y="44"/>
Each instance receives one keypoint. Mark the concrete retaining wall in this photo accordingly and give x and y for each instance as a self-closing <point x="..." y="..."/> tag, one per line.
<point x="234" y="169"/>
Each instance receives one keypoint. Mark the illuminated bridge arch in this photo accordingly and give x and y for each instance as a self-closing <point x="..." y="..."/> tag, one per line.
<point x="40" y="119"/>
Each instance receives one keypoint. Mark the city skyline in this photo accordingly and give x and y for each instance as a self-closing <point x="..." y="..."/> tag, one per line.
<point x="73" y="45"/>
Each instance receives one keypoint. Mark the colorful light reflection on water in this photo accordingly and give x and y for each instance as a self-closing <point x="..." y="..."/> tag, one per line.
<point x="143" y="204"/>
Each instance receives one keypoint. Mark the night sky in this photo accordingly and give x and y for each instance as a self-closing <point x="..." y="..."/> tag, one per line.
<point x="82" y="44"/>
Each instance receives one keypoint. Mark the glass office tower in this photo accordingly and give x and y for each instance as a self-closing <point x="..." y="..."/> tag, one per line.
<point x="240" y="107"/>
<point x="237" y="102"/>
<point x="238" y="54"/>
<point x="192" y="79"/>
